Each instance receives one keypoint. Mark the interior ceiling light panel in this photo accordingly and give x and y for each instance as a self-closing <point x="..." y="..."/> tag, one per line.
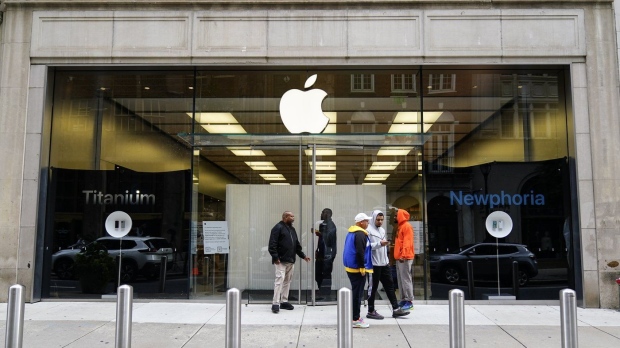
<point x="376" y="177"/>
<point x="273" y="176"/>
<point x="258" y="165"/>
<point x="324" y="165"/>
<point x="218" y="122"/>
<point x="384" y="165"/>
<point x="245" y="151"/>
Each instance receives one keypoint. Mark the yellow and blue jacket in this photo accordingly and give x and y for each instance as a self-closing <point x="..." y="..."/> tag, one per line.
<point x="357" y="253"/>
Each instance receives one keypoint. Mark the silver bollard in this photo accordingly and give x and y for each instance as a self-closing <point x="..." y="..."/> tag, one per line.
<point x="568" y="315"/>
<point x="457" y="318"/>
<point x="124" y="308"/>
<point x="345" y="318"/>
<point x="15" y="317"/>
<point x="233" y="318"/>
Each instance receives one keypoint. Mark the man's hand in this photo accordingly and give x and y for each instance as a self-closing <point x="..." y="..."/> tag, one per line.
<point x="384" y="242"/>
<point x="363" y="271"/>
<point x="307" y="259"/>
<point x="277" y="262"/>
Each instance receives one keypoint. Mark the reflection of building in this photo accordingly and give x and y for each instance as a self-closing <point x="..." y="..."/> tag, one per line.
<point x="141" y="85"/>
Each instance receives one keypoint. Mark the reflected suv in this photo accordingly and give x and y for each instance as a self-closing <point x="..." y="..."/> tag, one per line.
<point x="141" y="255"/>
<point x="452" y="267"/>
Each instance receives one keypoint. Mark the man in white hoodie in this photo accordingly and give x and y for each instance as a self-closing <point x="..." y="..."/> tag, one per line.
<point x="380" y="268"/>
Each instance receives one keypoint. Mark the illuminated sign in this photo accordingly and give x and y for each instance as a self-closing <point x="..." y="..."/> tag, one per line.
<point x="137" y="198"/>
<point x="495" y="199"/>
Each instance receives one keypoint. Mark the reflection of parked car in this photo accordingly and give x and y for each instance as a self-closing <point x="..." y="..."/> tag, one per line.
<point x="141" y="255"/>
<point x="452" y="267"/>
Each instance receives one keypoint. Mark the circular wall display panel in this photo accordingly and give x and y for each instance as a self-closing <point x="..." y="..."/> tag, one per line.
<point x="499" y="224"/>
<point x="118" y="224"/>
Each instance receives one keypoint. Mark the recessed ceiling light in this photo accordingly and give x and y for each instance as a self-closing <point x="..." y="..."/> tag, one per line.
<point x="261" y="165"/>
<point x="372" y="183"/>
<point x="321" y="152"/>
<point x="326" y="183"/>
<point x="394" y="151"/>
<point x="324" y="165"/>
<point x="376" y="177"/>
<point x="384" y="165"/>
<point x="245" y="151"/>
<point x="279" y="183"/>
<point x="218" y="122"/>
<point x="273" y="176"/>
<point x="326" y="177"/>
<point x="147" y="87"/>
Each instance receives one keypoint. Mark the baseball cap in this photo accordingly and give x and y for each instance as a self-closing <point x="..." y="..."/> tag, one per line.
<point x="361" y="217"/>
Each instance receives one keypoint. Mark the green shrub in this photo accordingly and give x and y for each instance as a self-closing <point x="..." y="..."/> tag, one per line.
<point x="94" y="268"/>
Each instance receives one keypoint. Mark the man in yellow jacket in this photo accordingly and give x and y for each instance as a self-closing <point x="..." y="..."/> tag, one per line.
<point x="357" y="260"/>
<point x="403" y="254"/>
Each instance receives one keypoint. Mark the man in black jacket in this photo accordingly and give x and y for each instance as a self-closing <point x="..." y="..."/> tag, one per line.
<point x="283" y="246"/>
<point x="325" y="255"/>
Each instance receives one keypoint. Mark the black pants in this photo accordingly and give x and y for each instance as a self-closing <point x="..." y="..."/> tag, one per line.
<point x="357" y="291"/>
<point x="382" y="274"/>
<point x="323" y="275"/>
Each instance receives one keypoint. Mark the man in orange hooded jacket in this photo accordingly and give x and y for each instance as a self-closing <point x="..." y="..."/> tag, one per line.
<point x="403" y="254"/>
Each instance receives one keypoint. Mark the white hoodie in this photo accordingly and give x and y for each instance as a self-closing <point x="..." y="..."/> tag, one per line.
<point x="376" y="235"/>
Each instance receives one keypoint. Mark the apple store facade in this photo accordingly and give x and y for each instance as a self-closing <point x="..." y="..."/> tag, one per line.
<point x="204" y="126"/>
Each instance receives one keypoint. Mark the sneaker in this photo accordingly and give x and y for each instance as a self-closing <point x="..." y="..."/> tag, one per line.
<point x="401" y="303"/>
<point x="275" y="308"/>
<point x="360" y="324"/>
<point x="374" y="315"/>
<point x="399" y="312"/>
<point x="407" y="305"/>
<point x="286" y="305"/>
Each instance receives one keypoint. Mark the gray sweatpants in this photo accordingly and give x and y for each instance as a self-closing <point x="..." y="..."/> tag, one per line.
<point x="404" y="273"/>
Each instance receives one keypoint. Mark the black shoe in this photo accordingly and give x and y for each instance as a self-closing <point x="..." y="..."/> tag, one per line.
<point x="275" y="308"/>
<point x="286" y="305"/>
<point x="399" y="312"/>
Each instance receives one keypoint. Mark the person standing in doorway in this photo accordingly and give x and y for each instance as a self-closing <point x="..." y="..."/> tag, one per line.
<point x="380" y="267"/>
<point x="325" y="255"/>
<point x="283" y="246"/>
<point x="403" y="254"/>
<point x="357" y="259"/>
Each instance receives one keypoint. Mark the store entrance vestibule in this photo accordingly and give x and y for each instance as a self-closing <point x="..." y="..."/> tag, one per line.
<point x="324" y="180"/>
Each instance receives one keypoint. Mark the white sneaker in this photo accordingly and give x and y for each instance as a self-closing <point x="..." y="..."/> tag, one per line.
<point x="360" y="324"/>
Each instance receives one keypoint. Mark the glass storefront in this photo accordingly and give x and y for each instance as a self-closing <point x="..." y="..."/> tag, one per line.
<point x="204" y="164"/>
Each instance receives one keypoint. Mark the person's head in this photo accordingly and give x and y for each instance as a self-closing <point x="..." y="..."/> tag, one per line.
<point x="361" y="220"/>
<point x="379" y="219"/>
<point x="288" y="217"/>
<point x="326" y="214"/>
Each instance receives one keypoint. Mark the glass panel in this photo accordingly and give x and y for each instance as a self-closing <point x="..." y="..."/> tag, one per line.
<point x="112" y="150"/>
<point x="500" y="144"/>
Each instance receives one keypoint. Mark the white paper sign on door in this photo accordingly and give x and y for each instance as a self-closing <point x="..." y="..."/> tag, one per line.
<point x="418" y="232"/>
<point x="215" y="235"/>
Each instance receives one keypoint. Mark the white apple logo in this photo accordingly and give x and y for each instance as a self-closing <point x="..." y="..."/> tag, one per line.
<point x="301" y="111"/>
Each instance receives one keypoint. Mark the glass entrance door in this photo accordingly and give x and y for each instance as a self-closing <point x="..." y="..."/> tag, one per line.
<point x="322" y="180"/>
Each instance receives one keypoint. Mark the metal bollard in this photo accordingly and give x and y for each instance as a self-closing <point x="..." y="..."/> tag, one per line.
<point x="568" y="315"/>
<point x="515" y="279"/>
<point x="471" y="286"/>
<point x="163" y="268"/>
<point x="457" y="318"/>
<point x="345" y="318"/>
<point x="233" y="318"/>
<point x="124" y="309"/>
<point x="15" y="317"/>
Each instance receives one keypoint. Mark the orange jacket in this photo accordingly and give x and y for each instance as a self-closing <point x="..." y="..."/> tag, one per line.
<point x="403" y="245"/>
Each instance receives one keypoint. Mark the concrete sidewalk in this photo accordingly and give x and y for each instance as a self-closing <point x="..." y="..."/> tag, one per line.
<point x="192" y="324"/>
